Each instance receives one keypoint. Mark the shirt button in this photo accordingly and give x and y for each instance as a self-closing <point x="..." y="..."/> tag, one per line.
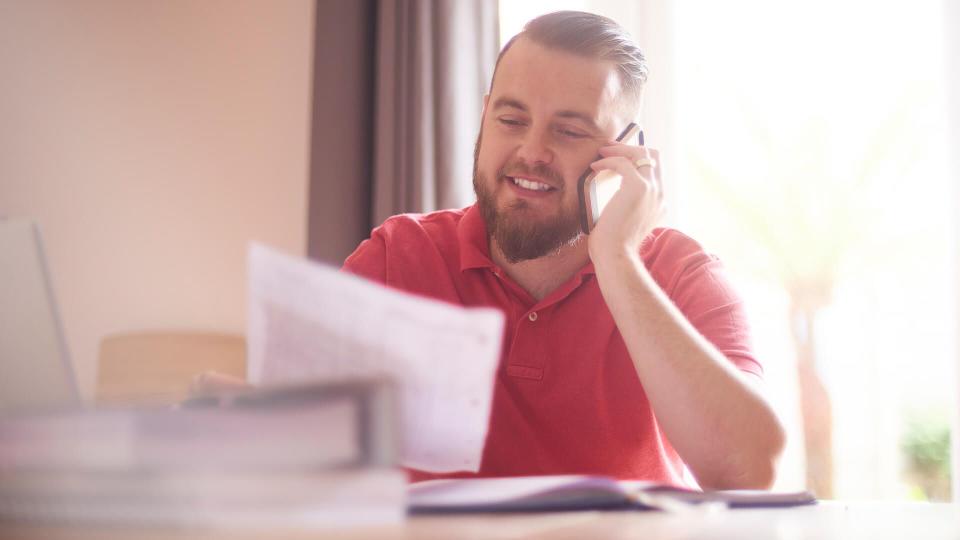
<point x="532" y="316"/>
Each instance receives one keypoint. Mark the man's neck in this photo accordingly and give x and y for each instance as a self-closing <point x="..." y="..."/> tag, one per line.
<point x="541" y="276"/>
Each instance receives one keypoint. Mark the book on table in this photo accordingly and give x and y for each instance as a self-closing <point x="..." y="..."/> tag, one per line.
<point x="578" y="492"/>
<point x="318" y="454"/>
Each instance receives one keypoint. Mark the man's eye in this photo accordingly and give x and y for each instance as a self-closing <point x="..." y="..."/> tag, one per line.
<point x="571" y="133"/>
<point x="510" y="122"/>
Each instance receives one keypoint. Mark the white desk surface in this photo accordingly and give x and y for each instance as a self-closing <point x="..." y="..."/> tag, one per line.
<point x="824" y="521"/>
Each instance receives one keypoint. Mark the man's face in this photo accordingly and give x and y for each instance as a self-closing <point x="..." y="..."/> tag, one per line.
<point x="546" y="116"/>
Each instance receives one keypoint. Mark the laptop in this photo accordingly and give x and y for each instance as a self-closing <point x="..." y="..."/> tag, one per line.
<point x="35" y="368"/>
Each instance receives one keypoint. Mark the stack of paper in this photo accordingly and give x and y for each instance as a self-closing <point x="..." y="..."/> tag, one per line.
<point x="292" y="456"/>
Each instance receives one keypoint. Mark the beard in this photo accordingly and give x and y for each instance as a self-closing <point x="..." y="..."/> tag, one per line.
<point x="518" y="232"/>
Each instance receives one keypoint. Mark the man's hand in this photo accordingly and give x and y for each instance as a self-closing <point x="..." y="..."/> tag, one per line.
<point x="636" y="207"/>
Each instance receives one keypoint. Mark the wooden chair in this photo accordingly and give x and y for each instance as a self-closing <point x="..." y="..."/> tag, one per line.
<point x="158" y="367"/>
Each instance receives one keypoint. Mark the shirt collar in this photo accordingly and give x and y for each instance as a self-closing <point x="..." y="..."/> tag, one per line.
<point x="474" y="244"/>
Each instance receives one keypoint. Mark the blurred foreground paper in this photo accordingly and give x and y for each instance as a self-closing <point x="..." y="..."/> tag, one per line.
<point x="309" y="321"/>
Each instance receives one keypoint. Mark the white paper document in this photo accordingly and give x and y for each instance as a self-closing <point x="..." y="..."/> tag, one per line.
<point x="309" y="321"/>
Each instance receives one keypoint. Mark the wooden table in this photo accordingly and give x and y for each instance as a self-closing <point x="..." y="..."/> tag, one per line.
<point x="825" y="521"/>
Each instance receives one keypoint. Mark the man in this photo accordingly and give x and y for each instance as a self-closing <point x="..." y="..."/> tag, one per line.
<point x="626" y="352"/>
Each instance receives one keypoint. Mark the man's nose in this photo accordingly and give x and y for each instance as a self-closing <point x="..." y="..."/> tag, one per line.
<point x="535" y="147"/>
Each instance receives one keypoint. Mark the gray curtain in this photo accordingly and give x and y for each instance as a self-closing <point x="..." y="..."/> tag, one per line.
<point x="434" y="62"/>
<point x="398" y="89"/>
<point x="341" y="132"/>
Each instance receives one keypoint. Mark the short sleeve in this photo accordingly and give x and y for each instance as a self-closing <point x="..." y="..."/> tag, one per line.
<point x="698" y="284"/>
<point x="369" y="260"/>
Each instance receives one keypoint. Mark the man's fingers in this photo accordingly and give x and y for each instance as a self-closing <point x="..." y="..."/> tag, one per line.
<point x="658" y="171"/>
<point x="629" y="151"/>
<point x="627" y="168"/>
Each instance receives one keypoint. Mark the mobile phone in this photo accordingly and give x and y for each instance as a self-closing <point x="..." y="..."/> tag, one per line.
<point x="597" y="188"/>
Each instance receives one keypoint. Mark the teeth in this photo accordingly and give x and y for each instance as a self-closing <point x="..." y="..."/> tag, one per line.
<point x="530" y="184"/>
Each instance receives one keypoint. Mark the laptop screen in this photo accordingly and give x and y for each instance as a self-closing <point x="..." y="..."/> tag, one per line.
<point x="35" y="369"/>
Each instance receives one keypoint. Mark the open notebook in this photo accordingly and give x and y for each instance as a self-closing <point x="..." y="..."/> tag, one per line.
<point x="574" y="492"/>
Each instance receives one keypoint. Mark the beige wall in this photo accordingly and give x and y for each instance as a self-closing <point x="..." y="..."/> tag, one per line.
<point x="152" y="141"/>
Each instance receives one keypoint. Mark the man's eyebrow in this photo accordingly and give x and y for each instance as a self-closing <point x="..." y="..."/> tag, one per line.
<point x="509" y="102"/>
<point x="582" y="116"/>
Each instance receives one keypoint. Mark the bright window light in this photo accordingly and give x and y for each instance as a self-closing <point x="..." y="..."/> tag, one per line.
<point x="810" y="153"/>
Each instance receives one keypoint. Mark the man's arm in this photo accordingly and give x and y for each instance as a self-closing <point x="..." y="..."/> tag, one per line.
<point x="718" y="422"/>
<point x="712" y="413"/>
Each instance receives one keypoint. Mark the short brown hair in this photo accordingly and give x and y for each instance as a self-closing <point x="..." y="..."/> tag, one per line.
<point x="592" y="36"/>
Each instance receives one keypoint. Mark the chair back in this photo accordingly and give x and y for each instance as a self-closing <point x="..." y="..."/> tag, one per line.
<point x="158" y="367"/>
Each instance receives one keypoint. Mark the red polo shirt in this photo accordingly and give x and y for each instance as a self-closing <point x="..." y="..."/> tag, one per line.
<point x="567" y="398"/>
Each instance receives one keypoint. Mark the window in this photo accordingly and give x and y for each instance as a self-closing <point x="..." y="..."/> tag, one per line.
<point x="809" y="148"/>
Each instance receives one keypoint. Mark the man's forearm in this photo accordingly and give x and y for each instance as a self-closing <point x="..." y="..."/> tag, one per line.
<point x="721" y="425"/>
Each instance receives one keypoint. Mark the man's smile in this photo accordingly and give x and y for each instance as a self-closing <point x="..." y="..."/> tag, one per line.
<point x="530" y="187"/>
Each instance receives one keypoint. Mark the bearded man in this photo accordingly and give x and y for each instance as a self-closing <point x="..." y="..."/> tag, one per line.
<point x="626" y="351"/>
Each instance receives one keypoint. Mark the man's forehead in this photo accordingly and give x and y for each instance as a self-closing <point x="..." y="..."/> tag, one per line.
<point x="551" y="80"/>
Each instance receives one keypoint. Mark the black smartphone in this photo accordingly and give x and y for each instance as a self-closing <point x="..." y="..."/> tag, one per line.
<point x="597" y="188"/>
